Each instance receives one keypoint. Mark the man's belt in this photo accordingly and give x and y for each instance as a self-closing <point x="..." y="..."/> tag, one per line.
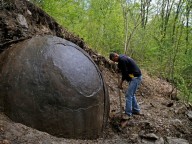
<point x="132" y="75"/>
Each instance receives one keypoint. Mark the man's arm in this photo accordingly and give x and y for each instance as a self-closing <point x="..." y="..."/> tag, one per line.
<point x="124" y="69"/>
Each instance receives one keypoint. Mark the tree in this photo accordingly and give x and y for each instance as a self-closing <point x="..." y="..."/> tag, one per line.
<point x="129" y="10"/>
<point x="158" y="33"/>
<point x="145" y="4"/>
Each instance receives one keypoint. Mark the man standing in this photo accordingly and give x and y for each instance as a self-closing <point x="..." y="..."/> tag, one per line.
<point x="132" y="74"/>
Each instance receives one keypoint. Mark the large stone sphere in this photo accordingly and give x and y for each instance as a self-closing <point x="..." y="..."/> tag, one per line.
<point x="51" y="84"/>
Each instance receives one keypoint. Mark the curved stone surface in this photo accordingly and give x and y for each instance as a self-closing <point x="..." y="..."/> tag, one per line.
<point x="51" y="84"/>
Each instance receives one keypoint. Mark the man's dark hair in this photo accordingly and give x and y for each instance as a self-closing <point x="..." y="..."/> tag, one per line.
<point x="111" y="55"/>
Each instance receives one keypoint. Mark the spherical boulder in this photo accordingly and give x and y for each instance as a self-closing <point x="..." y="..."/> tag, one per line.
<point x="52" y="85"/>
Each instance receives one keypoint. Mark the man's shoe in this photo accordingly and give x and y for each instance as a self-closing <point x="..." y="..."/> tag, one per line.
<point x="138" y="113"/>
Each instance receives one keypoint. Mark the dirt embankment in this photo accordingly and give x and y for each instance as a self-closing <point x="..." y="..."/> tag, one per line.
<point x="164" y="120"/>
<point x="20" y="20"/>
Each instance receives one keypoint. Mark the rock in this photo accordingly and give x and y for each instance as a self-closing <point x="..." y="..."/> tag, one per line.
<point x="146" y="141"/>
<point x="168" y="104"/>
<point x="160" y="141"/>
<point x="189" y="114"/>
<point x="150" y="136"/>
<point x="153" y="141"/>
<point x="29" y="12"/>
<point x="176" y="122"/>
<point x="22" y="21"/>
<point x="51" y="84"/>
<point x="173" y="140"/>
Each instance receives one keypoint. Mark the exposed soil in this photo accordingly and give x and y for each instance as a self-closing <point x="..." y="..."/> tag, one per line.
<point x="165" y="118"/>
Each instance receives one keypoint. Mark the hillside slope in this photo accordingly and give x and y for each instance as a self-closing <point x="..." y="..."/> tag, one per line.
<point x="164" y="120"/>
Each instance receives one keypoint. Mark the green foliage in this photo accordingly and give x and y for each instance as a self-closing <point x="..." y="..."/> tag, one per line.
<point x="184" y="87"/>
<point x="163" y="46"/>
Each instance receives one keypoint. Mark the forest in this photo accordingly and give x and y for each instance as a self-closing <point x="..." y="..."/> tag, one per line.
<point x="50" y="93"/>
<point x="156" y="33"/>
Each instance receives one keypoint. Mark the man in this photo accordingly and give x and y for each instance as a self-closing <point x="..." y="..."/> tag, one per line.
<point x="132" y="74"/>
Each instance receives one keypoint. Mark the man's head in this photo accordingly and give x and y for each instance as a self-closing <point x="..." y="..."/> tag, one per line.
<point x="114" y="57"/>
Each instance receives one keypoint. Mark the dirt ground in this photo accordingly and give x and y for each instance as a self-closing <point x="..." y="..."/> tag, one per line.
<point x="165" y="119"/>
